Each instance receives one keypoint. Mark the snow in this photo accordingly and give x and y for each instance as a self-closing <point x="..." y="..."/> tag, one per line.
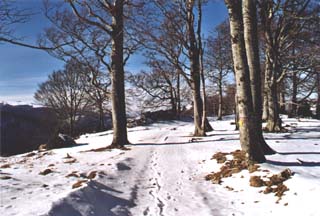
<point x="162" y="174"/>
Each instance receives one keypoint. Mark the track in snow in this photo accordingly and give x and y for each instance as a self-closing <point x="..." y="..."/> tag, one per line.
<point x="160" y="176"/>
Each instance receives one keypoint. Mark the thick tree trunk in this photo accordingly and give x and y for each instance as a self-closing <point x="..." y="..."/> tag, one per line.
<point x="194" y="55"/>
<point x="119" y="120"/>
<point x="205" y="125"/>
<point x="252" y="51"/>
<point x="273" y="122"/>
<point x="271" y="71"/>
<point x="197" y="105"/>
<point x="236" y="112"/>
<point x="247" y="121"/>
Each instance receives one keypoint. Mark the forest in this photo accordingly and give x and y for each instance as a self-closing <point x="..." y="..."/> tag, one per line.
<point x="218" y="118"/>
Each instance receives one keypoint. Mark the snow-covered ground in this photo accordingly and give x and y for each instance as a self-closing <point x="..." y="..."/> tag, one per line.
<point x="162" y="174"/>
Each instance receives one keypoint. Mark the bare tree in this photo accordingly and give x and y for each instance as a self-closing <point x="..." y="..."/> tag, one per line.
<point x="247" y="120"/>
<point x="250" y="21"/>
<point x="219" y="59"/>
<point x="161" y="85"/>
<point x="175" y="35"/>
<point x="97" y="86"/>
<point x="281" y="21"/>
<point x="64" y="93"/>
<point x="98" y="29"/>
<point x="11" y="14"/>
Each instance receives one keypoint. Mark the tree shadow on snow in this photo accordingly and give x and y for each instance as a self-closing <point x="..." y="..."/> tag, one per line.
<point x="298" y="153"/>
<point x="288" y="164"/>
<point x="195" y="142"/>
<point x="95" y="199"/>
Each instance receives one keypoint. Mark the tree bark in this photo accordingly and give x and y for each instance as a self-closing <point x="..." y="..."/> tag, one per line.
<point x="178" y="96"/>
<point x="220" y="96"/>
<point x="293" y="105"/>
<point x="274" y="123"/>
<point x="236" y="110"/>
<point x="204" y="120"/>
<point x="271" y="67"/>
<point x="247" y="121"/>
<point x="194" y="54"/>
<point x="252" y="51"/>
<point x="265" y="109"/>
<point x="282" y="99"/>
<point x="119" y="120"/>
<point x="101" y="126"/>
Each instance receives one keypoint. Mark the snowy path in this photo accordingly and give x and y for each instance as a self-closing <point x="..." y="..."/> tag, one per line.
<point x="162" y="175"/>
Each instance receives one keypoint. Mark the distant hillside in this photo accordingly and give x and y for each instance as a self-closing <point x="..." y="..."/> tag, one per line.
<point x="24" y="128"/>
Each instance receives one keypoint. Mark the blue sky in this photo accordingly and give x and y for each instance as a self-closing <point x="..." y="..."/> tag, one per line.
<point x="22" y="69"/>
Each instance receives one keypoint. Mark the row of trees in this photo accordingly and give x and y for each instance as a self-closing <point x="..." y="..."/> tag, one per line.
<point x="94" y="36"/>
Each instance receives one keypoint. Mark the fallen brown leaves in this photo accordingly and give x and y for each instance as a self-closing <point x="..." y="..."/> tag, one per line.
<point x="230" y="167"/>
<point x="274" y="183"/>
<point x="4" y="166"/>
<point x="78" y="184"/>
<point x="46" y="172"/>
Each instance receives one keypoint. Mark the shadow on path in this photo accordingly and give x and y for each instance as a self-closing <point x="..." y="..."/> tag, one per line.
<point x="95" y="199"/>
<point x="288" y="164"/>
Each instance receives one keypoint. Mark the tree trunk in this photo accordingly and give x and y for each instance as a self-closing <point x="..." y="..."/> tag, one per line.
<point x="273" y="121"/>
<point x="101" y="126"/>
<point x="236" y="112"/>
<point x="282" y="101"/>
<point x="119" y="120"/>
<point x="194" y="55"/>
<point x="204" y="121"/>
<point x="173" y="101"/>
<point x="178" y="96"/>
<point x="220" y="96"/>
<point x="293" y="105"/>
<point x="265" y="112"/>
<point x="247" y="121"/>
<point x="252" y="52"/>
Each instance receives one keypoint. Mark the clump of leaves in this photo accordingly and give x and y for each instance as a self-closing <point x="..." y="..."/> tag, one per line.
<point x="46" y="172"/>
<point x="274" y="184"/>
<point x="78" y="184"/>
<point x="73" y="174"/>
<point x="256" y="181"/>
<point x="4" y="166"/>
<point x="220" y="157"/>
<point x="230" y="167"/>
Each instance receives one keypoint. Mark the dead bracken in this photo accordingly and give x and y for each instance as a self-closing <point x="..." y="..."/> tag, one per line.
<point x="220" y="157"/>
<point x="78" y="184"/>
<point x="274" y="183"/>
<point x="236" y="165"/>
<point x="46" y="172"/>
<point x="73" y="174"/>
<point x="4" y="166"/>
